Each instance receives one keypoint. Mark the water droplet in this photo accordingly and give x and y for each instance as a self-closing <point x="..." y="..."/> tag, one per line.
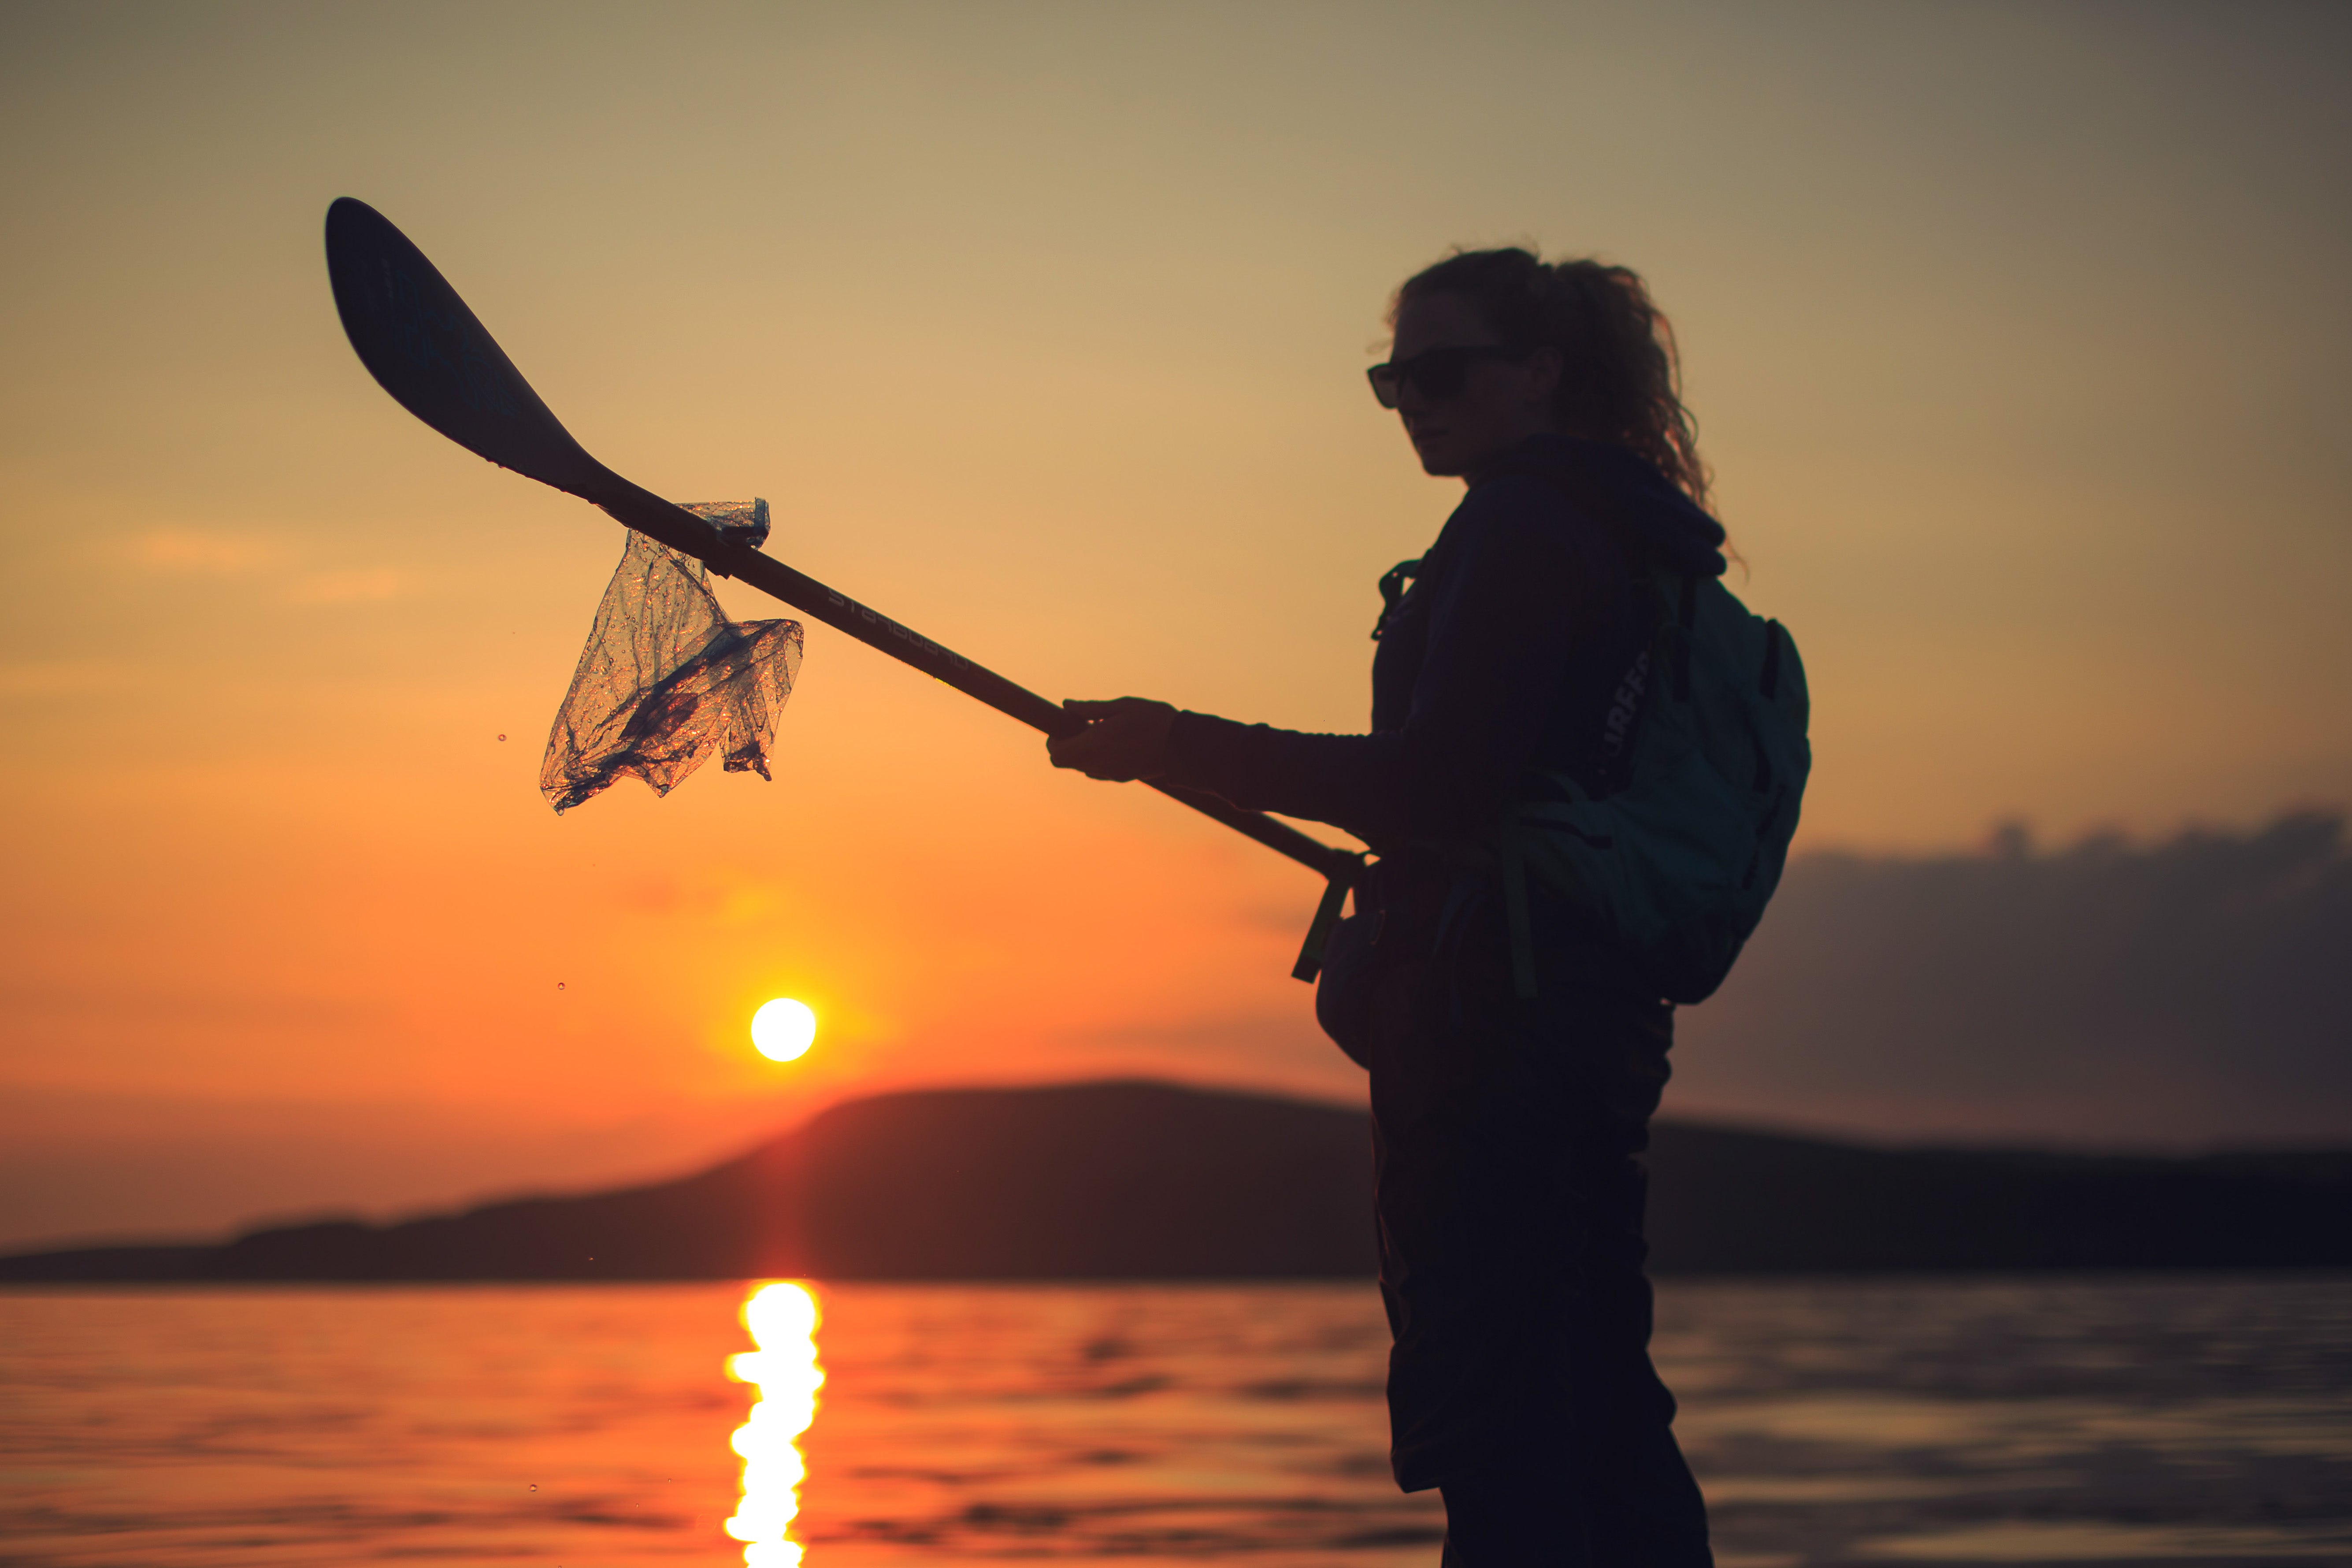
<point x="501" y="737"/>
<point x="559" y="985"/>
<point x="534" y="1485"/>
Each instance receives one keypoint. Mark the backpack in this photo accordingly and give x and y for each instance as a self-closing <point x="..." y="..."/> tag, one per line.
<point x="1677" y="838"/>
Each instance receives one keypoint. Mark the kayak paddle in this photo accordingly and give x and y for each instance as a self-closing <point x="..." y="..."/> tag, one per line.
<point x="424" y="346"/>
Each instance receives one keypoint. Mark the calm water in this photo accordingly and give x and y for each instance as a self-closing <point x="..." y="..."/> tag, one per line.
<point x="2081" y="1422"/>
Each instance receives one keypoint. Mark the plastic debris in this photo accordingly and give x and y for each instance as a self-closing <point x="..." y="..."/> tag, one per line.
<point x="666" y="679"/>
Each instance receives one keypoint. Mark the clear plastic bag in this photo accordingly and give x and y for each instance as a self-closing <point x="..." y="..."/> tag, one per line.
<point x="666" y="679"/>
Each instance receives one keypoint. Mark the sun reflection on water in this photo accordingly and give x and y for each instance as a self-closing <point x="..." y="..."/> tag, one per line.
<point x="782" y="1320"/>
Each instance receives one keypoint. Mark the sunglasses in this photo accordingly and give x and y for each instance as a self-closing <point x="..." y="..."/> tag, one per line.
<point x="1435" y="374"/>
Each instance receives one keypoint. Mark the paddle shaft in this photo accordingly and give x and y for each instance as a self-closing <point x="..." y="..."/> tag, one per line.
<point x="682" y="530"/>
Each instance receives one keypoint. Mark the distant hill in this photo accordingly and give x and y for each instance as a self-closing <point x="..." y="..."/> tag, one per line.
<point x="1151" y="1181"/>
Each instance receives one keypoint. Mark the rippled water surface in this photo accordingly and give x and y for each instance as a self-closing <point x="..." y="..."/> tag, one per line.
<point x="2174" y="1422"/>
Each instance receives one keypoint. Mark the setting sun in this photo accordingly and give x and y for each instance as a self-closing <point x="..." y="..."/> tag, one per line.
<point x="784" y="1029"/>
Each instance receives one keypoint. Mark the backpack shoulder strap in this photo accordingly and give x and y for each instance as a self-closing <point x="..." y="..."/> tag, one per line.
<point x="1392" y="586"/>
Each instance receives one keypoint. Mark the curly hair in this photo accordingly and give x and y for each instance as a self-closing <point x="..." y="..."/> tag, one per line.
<point x="1621" y="380"/>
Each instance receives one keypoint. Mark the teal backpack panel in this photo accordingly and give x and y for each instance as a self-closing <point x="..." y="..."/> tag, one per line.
<point x="1680" y="861"/>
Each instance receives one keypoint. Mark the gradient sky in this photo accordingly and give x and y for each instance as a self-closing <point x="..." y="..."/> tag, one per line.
<point x="2017" y="336"/>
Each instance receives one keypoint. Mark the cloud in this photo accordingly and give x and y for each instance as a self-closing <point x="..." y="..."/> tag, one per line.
<point x="2181" y="992"/>
<point x="187" y="552"/>
<point x="194" y="552"/>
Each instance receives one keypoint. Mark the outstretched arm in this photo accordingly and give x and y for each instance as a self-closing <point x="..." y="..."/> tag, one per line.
<point x="1534" y="597"/>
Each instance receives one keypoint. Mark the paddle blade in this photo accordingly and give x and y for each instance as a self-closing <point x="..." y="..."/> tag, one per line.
<point x="426" y="348"/>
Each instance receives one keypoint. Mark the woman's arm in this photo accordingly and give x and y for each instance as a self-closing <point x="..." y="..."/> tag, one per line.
<point x="1536" y="594"/>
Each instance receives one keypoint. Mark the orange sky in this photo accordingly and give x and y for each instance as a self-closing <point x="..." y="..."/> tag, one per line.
<point x="2016" y="336"/>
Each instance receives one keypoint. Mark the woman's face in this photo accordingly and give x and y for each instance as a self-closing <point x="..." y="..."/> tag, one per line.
<point x="1501" y="401"/>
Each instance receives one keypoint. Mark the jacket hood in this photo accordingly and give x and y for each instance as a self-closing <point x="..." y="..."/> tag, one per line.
<point x="1636" y="494"/>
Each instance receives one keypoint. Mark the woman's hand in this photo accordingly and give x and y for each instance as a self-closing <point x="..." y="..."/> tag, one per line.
<point x="1125" y="739"/>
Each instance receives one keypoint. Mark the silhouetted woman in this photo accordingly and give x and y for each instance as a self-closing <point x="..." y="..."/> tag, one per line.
<point x="1505" y="1128"/>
